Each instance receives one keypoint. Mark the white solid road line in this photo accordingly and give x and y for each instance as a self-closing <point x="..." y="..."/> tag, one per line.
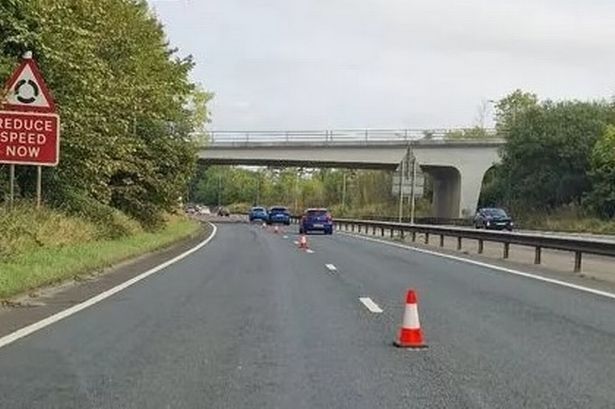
<point x="284" y="237"/>
<point x="25" y="331"/>
<point x="309" y="251"/>
<point x="370" y="305"/>
<point x="296" y="242"/>
<point x="491" y="266"/>
<point x="331" y="267"/>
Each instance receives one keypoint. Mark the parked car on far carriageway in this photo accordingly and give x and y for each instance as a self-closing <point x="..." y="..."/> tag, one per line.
<point x="316" y="220"/>
<point x="258" y="213"/>
<point x="493" y="218"/>
<point x="279" y="214"/>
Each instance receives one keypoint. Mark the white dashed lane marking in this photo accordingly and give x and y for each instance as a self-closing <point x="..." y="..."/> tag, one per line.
<point x="370" y="305"/>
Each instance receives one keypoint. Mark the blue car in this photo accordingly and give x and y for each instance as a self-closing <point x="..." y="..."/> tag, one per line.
<point x="316" y="220"/>
<point x="258" y="214"/>
<point x="279" y="215"/>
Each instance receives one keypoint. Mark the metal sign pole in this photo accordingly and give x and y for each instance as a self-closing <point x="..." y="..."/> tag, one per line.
<point x="401" y="193"/>
<point x="344" y="191"/>
<point x="39" y="186"/>
<point x="11" y="185"/>
<point x="412" y="200"/>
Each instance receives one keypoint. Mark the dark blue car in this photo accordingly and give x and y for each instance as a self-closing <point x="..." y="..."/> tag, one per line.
<point x="258" y="213"/>
<point x="279" y="215"/>
<point x="316" y="220"/>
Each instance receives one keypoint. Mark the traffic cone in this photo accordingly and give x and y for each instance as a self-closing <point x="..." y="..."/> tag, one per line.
<point x="410" y="334"/>
<point x="303" y="244"/>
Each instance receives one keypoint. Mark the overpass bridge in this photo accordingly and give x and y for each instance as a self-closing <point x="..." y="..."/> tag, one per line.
<point x="456" y="167"/>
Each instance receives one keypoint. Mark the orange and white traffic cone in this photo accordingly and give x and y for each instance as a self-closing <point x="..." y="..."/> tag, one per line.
<point x="410" y="334"/>
<point x="303" y="244"/>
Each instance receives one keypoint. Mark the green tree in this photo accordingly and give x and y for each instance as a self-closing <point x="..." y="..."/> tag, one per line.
<point x="511" y="107"/>
<point x="602" y="175"/>
<point x="471" y="133"/>
<point x="546" y="156"/>
<point x="127" y="105"/>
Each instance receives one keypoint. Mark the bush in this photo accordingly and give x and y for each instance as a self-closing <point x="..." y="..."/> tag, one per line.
<point x="110" y="222"/>
<point x="239" y="208"/>
<point x="569" y="218"/>
<point x="25" y="228"/>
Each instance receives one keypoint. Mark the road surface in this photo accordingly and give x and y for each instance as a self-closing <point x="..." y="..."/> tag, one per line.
<point x="250" y="321"/>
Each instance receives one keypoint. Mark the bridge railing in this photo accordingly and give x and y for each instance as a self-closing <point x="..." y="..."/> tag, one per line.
<point x="329" y="136"/>
<point x="576" y="245"/>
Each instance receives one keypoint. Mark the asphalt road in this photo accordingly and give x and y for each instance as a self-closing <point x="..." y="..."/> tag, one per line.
<point x="250" y="321"/>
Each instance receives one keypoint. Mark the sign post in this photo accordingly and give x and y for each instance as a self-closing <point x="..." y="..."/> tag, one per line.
<point x="12" y="185"/>
<point x="39" y="186"/>
<point x="29" y="125"/>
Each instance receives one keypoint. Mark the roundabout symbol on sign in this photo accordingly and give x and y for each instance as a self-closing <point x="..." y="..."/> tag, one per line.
<point x="33" y="93"/>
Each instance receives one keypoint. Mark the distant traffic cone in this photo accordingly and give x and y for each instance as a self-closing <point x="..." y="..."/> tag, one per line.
<point x="303" y="244"/>
<point x="410" y="334"/>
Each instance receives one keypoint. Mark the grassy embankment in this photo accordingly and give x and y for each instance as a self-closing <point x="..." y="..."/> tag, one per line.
<point x="558" y="223"/>
<point x="44" y="247"/>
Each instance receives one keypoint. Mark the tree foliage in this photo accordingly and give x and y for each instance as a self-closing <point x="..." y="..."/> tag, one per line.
<point x="546" y="159"/>
<point x="290" y="186"/>
<point x="476" y="132"/>
<point x="125" y="98"/>
<point x="602" y="174"/>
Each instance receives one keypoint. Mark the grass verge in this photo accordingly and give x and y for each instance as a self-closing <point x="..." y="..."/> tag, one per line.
<point x="47" y="266"/>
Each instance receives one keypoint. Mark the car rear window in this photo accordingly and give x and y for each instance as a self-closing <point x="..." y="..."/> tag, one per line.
<point x="278" y="210"/>
<point x="495" y="212"/>
<point x="258" y="209"/>
<point x="316" y="212"/>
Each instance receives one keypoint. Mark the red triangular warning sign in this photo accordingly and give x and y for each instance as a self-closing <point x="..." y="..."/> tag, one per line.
<point x="26" y="90"/>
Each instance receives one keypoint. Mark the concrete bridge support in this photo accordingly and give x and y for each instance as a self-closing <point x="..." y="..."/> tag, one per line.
<point x="455" y="191"/>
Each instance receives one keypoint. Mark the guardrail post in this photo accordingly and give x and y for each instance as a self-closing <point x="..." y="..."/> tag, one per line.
<point x="442" y="240"/>
<point x="480" y="246"/>
<point x="382" y="231"/>
<point x="413" y="236"/>
<point x="578" y="257"/>
<point x="374" y="231"/>
<point x="352" y="227"/>
<point x="402" y="234"/>
<point x="459" y="243"/>
<point x="506" y="250"/>
<point x="426" y="238"/>
<point x="392" y="232"/>
<point x="537" y="255"/>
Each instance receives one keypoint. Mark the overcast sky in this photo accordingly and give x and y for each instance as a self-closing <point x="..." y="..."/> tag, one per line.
<point x="316" y="64"/>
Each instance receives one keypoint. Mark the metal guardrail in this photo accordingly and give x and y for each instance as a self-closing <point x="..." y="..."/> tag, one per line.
<point x="331" y="136"/>
<point x="578" y="246"/>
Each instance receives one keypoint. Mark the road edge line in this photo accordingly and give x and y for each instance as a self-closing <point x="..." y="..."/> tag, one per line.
<point x="32" y="328"/>
<point x="491" y="266"/>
